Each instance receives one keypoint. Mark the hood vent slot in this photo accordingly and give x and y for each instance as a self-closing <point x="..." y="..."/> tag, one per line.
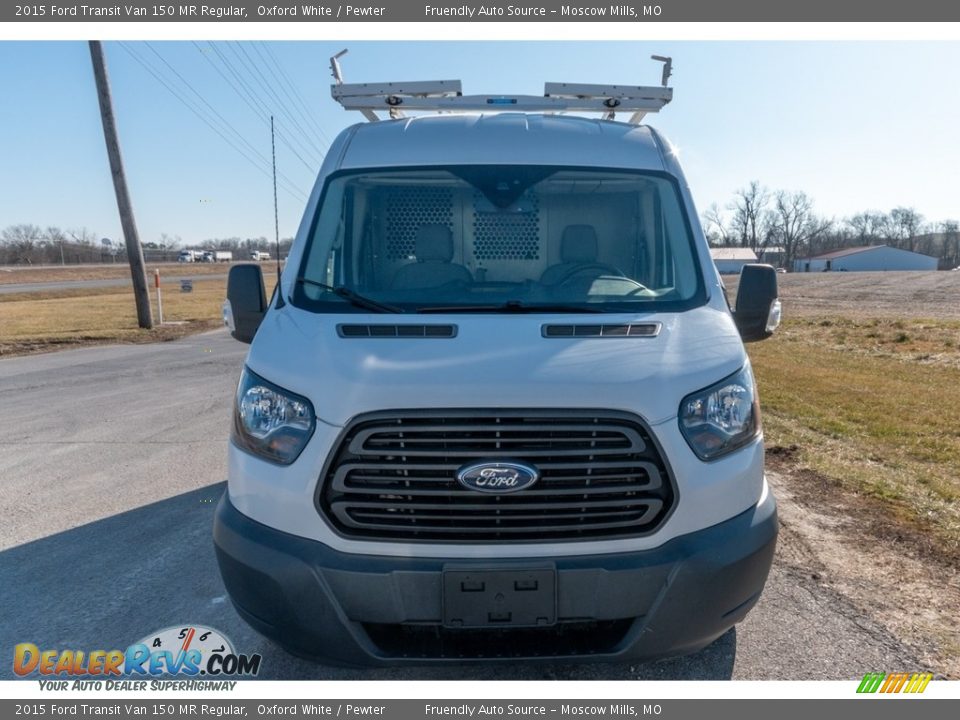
<point x="602" y="331"/>
<point x="397" y="331"/>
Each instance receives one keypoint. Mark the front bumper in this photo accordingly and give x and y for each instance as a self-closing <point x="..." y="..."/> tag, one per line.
<point x="381" y="611"/>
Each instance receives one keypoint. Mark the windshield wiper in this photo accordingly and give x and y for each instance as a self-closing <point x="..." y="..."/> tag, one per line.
<point x="511" y="306"/>
<point x="351" y="297"/>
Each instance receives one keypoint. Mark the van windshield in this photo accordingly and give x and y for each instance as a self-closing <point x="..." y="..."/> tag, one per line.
<point x="491" y="238"/>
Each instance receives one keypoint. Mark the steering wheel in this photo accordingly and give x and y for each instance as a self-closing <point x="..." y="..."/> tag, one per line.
<point x="581" y="269"/>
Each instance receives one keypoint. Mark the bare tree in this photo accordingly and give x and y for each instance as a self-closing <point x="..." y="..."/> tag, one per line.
<point x="905" y="225"/>
<point x="21" y="243"/>
<point x="53" y="240"/>
<point x="795" y="226"/>
<point x="950" y="249"/>
<point x="84" y="247"/>
<point x="868" y="227"/>
<point x="166" y="242"/>
<point x="715" y="226"/>
<point x="751" y="217"/>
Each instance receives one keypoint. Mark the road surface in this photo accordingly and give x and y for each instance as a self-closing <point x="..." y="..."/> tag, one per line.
<point x="112" y="460"/>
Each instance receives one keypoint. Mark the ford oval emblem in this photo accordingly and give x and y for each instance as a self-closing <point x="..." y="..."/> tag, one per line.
<point x="498" y="477"/>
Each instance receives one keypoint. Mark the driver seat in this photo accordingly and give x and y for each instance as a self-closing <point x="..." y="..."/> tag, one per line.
<point x="578" y="247"/>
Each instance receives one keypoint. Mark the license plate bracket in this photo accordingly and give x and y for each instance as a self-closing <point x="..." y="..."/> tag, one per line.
<point x="499" y="598"/>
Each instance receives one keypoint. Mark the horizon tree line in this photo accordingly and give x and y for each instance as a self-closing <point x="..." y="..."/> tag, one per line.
<point x="759" y="218"/>
<point x="756" y="218"/>
<point x="27" y="244"/>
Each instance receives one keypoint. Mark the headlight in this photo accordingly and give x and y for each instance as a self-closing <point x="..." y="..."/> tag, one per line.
<point x="269" y="421"/>
<point x="723" y="417"/>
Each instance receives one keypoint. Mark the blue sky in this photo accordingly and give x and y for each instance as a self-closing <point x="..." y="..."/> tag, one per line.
<point x="857" y="125"/>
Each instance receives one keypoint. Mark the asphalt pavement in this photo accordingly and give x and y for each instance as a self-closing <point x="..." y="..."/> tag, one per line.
<point x="112" y="460"/>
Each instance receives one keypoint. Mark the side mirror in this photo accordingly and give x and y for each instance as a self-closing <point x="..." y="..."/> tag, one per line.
<point x="246" y="301"/>
<point x="757" y="310"/>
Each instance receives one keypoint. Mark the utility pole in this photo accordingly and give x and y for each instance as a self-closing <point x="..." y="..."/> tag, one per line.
<point x="134" y="251"/>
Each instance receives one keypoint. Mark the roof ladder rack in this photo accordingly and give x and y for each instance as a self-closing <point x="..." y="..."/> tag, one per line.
<point x="396" y="98"/>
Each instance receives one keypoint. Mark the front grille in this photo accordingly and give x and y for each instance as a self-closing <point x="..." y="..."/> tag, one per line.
<point x="393" y="476"/>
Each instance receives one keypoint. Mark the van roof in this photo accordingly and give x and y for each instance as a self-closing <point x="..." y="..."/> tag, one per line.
<point x="517" y="138"/>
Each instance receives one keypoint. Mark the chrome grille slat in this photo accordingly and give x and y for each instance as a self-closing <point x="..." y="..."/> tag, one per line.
<point x="592" y="490"/>
<point x="493" y="506"/>
<point x="393" y="477"/>
<point x="348" y="479"/>
<point x="385" y="514"/>
<point x="527" y="530"/>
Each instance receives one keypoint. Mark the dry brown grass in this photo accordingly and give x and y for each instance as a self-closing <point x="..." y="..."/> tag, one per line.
<point x="873" y="414"/>
<point x="10" y="275"/>
<point x="71" y="318"/>
<point x="860" y="387"/>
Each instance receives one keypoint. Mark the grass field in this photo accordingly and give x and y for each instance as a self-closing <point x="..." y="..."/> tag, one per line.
<point x="12" y="274"/>
<point x="37" y="322"/>
<point x="860" y="390"/>
<point x="872" y="414"/>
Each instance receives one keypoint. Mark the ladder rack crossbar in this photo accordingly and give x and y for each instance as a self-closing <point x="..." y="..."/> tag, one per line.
<point x="519" y="103"/>
<point x="578" y="90"/>
<point x="447" y="96"/>
<point x="420" y="88"/>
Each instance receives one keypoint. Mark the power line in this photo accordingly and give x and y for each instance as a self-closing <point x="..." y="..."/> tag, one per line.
<point x="264" y="83"/>
<point x="290" y="188"/>
<point x="253" y="71"/>
<point x="226" y="122"/>
<point x="205" y="102"/>
<point x="288" y="184"/>
<point x="311" y="117"/>
<point x="249" y="97"/>
<point x="280" y="80"/>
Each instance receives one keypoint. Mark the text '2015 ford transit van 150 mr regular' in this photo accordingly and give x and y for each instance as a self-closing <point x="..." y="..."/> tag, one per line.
<point x="498" y="406"/>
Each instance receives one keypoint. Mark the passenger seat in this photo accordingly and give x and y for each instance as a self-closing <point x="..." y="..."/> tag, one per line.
<point x="434" y="251"/>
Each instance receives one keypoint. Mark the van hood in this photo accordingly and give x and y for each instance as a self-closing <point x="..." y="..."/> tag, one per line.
<point x="495" y="361"/>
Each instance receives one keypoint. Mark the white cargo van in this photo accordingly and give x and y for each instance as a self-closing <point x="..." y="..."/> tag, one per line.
<point x="498" y="407"/>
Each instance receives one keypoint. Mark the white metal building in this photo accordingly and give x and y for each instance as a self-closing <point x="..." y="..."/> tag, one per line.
<point x="729" y="260"/>
<point x="868" y="258"/>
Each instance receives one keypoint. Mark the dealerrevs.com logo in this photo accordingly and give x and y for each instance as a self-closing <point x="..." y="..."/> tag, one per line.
<point x="185" y="650"/>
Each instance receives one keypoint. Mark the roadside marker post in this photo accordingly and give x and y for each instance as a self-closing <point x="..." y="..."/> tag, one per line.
<point x="156" y="283"/>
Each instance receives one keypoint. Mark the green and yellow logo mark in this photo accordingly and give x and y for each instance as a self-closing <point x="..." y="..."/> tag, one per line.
<point x="894" y="682"/>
